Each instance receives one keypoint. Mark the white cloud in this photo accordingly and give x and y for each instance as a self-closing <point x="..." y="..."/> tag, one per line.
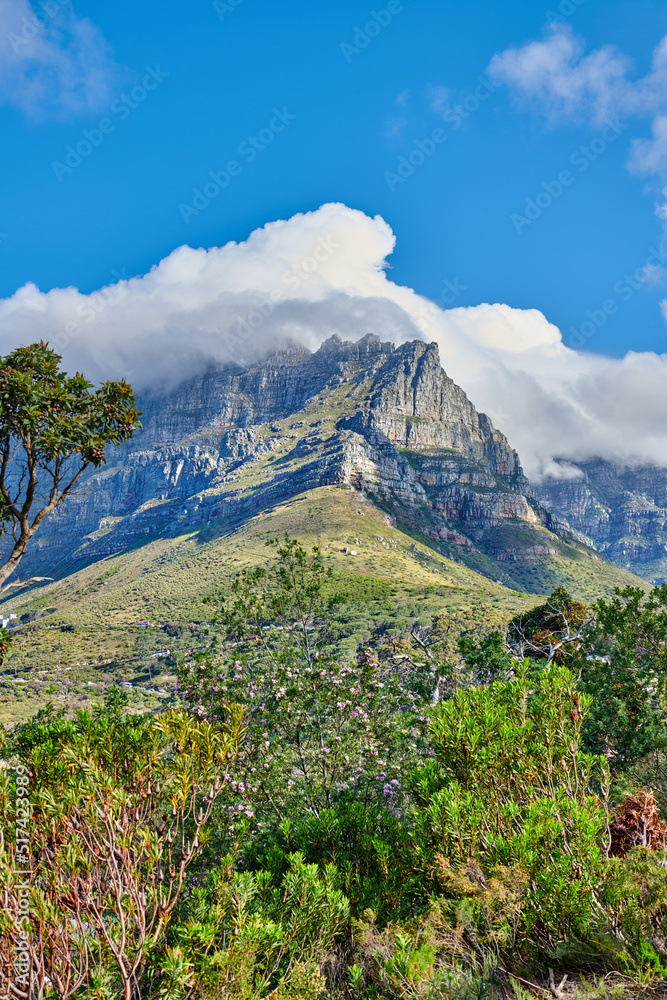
<point x="555" y="76"/>
<point x="324" y="272"/>
<point x="649" y="156"/>
<point x="51" y="61"/>
<point x="439" y="98"/>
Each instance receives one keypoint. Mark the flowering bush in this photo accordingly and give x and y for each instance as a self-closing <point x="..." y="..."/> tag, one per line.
<point x="316" y="730"/>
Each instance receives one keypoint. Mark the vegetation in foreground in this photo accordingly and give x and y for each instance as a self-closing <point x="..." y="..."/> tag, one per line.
<point x="422" y="819"/>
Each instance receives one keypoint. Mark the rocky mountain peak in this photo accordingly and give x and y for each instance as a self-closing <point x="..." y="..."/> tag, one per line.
<point x="354" y="349"/>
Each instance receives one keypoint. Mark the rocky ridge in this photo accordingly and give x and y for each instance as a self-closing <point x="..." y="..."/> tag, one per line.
<point x="622" y="510"/>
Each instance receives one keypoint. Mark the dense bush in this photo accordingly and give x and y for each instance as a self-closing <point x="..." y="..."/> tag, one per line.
<point x="510" y="796"/>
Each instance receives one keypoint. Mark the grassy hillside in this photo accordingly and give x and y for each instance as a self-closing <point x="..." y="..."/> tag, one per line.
<point x="93" y="626"/>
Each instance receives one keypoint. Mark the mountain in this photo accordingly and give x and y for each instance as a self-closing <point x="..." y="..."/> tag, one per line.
<point x="622" y="510"/>
<point x="232" y="443"/>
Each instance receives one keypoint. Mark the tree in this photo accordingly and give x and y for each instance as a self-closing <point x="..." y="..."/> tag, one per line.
<point x="52" y="428"/>
<point x="625" y="670"/>
<point x="285" y="611"/>
<point x="316" y="727"/>
<point x="457" y="647"/>
<point x="329" y="743"/>
<point x="487" y="657"/>
<point x="553" y="631"/>
<point x="510" y="790"/>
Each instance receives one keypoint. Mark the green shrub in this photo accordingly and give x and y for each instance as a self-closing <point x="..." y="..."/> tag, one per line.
<point x="510" y="789"/>
<point x="246" y="935"/>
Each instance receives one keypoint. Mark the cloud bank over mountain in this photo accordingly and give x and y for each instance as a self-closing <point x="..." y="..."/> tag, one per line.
<point x="325" y="272"/>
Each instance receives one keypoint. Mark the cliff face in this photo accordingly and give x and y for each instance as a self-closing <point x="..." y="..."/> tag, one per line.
<point x="412" y="403"/>
<point x="622" y="510"/>
<point x="230" y="443"/>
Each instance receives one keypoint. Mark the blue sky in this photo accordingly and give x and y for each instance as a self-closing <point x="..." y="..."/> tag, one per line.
<point x="220" y="75"/>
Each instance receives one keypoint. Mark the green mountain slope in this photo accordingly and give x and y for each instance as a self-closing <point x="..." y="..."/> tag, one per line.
<point x="92" y="627"/>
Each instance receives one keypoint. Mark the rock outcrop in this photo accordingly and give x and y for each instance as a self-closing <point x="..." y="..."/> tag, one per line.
<point x="622" y="511"/>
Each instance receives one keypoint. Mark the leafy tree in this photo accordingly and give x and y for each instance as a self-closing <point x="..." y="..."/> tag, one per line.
<point x="315" y="733"/>
<point x="487" y="657"/>
<point x="243" y="931"/>
<point x="624" y="669"/>
<point x="46" y="725"/>
<point x="458" y="647"/>
<point x="284" y="611"/>
<point x="324" y="736"/>
<point x="52" y="427"/>
<point x="317" y="727"/>
<point x="370" y="844"/>
<point x="619" y="649"/>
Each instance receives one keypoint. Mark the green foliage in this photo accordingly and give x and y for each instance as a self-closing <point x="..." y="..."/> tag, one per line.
<point x="329" y="743"/>
<point x="286" y="609"/>
<point x="625" y="672"/>
<point x="423" y="958"/>
<point x="51" y="428"/>
<point x="509" y="787"/>
<point x="275" y="934"/>
<point x="552" y="631"/>
<point x="487" y="657"/>
<point x="314" y="732"/>
<point x="370" y="845"/>
<point x="54" y="415"/>
<point x="5" y="643"/>
<point x="119" y="807"/>
<point x="357" y="842"/>
<point x="46" y="726"/>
